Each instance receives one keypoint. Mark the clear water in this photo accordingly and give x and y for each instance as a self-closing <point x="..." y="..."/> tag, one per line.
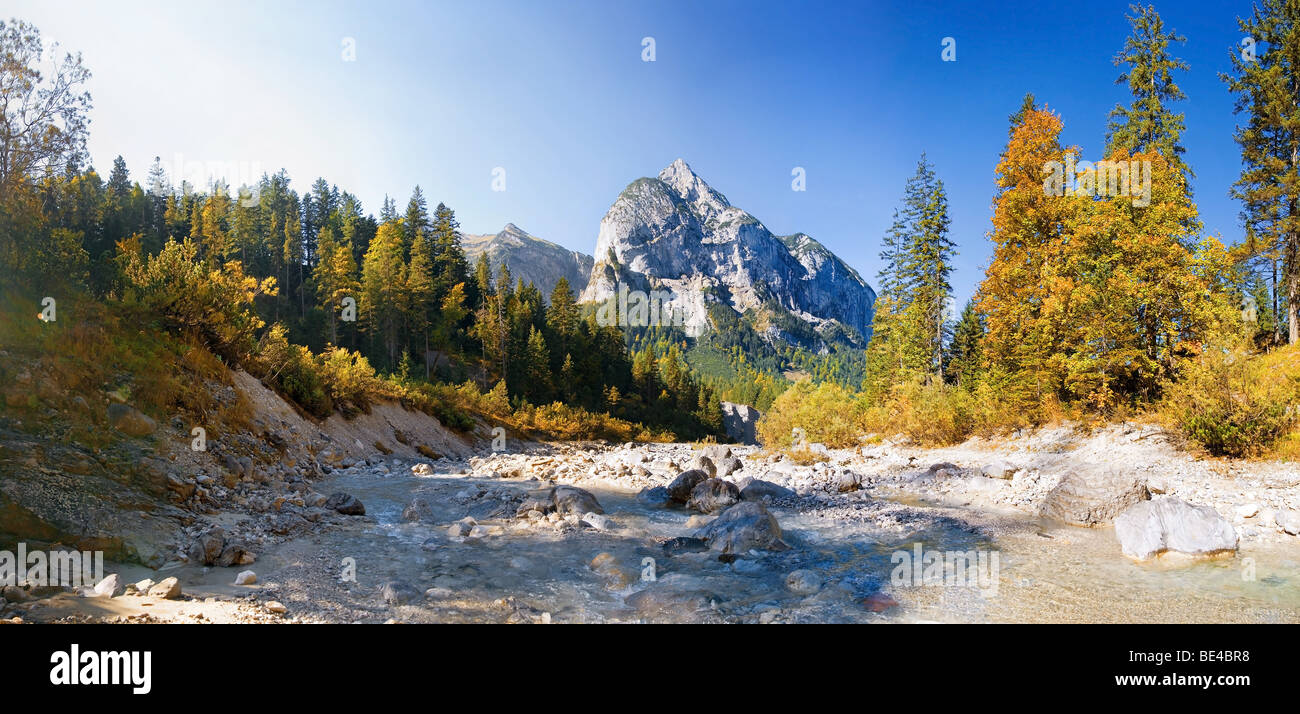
<point x="1046" y="574"/>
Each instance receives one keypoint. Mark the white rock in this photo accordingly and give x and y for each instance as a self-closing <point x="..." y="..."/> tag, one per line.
<point x="246" y="577"/>
<point x="1167" y="523"/>
<point x="110" y="586"/>
<point x="1288" y="521"/>
<point x="1248" y="510"/>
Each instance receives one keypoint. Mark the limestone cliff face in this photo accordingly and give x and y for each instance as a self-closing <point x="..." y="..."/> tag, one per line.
<point x="675" y="232"/>
<point x="538" y="261"/>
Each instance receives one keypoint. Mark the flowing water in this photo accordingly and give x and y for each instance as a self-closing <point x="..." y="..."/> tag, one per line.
<point x="1043" y="574"/>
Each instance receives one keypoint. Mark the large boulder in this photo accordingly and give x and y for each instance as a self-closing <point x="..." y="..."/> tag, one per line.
<point x="741" y="528"/>
<point x="111" y="586"/>
<point x="168" y="589"/>
<point x="234" y="554"/>
<point x="713" y="495"/>
<point x="571" y="499"/>
<point x="1149" y="528"/>
<point x="681" y="487"/>
<point x="1093" y="497"/>
<point x="741" y="422"/>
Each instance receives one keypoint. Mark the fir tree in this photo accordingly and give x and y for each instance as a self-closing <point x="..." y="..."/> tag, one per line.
<point x="1148" y="124"/>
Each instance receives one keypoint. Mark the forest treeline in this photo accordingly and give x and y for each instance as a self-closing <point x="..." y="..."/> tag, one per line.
<point x="329" y="304"/>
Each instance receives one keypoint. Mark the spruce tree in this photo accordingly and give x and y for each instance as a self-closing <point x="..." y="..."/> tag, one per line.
<point x="1267" y="85"/>
<point x="1148" y="124"/>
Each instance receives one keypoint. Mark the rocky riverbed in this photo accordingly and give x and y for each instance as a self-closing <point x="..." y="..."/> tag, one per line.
<point x="706" y="533"/>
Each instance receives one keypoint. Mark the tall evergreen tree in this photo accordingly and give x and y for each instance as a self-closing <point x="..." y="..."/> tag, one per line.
<point x="420" y="296"/>
<point x="383" y="289"/>
<point x="1148" y="124"/>
<point x="1267" y="85"/>
<point x="927" y="264"/>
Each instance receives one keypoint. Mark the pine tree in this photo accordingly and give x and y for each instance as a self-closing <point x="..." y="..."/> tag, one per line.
<point x="927" y="265"/>
<point x="1267" y="85"/>
<point x="538" y="366"/>
<point x="450" y="266"/>
<point x="415" y="226"/>
<point x="335" y="277"/>
<point x="383" y="293"/>
<point x="562" y="314"/>
<point x="1148" y="124"/>
<point x="420" y="298"/>
<point x="910" y="325"/>
<point x="964" y="353"/>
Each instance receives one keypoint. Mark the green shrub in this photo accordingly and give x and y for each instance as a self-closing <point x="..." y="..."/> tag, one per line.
<point x="1234" y="403"/>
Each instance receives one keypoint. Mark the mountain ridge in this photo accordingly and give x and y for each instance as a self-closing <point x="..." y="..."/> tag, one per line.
<point x="675" y="231"/>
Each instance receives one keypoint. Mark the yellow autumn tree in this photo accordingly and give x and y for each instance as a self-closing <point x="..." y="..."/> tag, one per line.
<point x="1027" y="293"/>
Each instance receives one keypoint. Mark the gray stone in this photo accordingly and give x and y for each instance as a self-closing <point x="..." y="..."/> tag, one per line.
<point x="681" y="487"/>
<point x="541" y="500"/>
<point x="656" y="497"/>
<point x="207" y="548"/>
<point x="1149" y="528"/>
<point x="1093" y="497"/>
<point x="574" y="500"/>
<point x="846" y="481"/>
<point x="803" y="582"/>
<point x="396" y="592"/>
<point x="716" y="452"/>
<point x="713" y="495"/>
<point x="999" y="469"/>
<point x="462" y="528"/>
<point x="346" y="504"/>
<point x="705" y="464"/>
<point x="419" y="509"/>
<point x="168" y="589"/>
<point x="729" y="466"/>
<point x="111" y="586"/>
<point x="759" y="490"/>
<point x="743" y="527"/>
<point x="741" y="422"/>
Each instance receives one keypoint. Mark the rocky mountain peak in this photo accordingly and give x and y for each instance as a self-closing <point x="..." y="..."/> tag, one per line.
<point x="676" y="232"/>
<point x="689" y="187"/>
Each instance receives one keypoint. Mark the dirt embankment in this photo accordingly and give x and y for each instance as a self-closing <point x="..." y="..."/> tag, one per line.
<point x="140" y="493"/>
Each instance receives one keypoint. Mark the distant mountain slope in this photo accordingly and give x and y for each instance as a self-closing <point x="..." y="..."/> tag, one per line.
<point x="530" y="258"/>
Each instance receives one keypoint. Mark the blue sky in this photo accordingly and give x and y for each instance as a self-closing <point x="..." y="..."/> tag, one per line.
<point x="557" y="94"/>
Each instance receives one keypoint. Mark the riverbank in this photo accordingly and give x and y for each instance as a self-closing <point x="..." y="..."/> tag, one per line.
<point x="413" y="558"/>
